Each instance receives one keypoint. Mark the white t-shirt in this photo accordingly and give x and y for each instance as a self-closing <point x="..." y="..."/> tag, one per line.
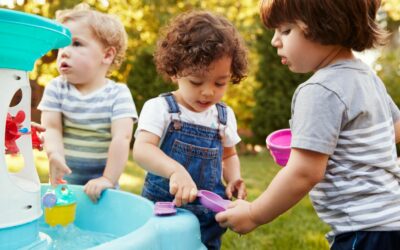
<point x="155" y="119"/>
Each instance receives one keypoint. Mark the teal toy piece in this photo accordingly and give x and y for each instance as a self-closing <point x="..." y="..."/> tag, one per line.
<point x="25" y="37"/>
<point x="60" y="196"/>
<point x="65" y="196"/>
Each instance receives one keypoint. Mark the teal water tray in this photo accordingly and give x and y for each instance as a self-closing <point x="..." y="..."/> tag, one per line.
<point x="24" y="38"/>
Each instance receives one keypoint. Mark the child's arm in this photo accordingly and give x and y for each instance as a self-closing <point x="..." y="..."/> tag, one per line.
<point x="118" y="152"/>
<point x="149" y="156"/>
<point x="397" y="131"/>
<point x="231" y="173"/>
<point x="303" y="171"/>
<point x="53" y="143"/>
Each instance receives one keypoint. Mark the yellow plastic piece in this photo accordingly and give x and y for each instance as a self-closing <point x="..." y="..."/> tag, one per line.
<point x="60" y="215"/>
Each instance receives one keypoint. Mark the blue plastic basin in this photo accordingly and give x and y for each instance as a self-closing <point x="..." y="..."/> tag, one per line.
<point x="130" y="218"/>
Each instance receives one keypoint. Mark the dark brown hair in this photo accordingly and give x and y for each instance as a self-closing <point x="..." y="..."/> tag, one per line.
<point x="195" y="39"/>
<point x="349" y="23"/>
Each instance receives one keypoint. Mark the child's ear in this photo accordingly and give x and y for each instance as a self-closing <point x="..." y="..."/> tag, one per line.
<point x="109" y="54"/>
<point x="174" y="79"/>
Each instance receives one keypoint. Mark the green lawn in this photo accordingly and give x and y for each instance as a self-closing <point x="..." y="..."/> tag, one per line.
<point x="299" y="228"/>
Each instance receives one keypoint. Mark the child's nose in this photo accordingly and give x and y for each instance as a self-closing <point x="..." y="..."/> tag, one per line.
<point x="65" y="52"/>
<point x="275" y="40"/>
<point x="208" y="92"/>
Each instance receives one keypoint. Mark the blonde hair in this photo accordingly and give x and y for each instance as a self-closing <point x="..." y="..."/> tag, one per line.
<point x="107" y="28"/>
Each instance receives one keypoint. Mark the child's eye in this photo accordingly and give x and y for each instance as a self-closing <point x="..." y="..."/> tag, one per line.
<point x="76" y="44"/>
<point x="195" y="83"/>
<point x="220" y="84"/>
<point x="286" y="31"/>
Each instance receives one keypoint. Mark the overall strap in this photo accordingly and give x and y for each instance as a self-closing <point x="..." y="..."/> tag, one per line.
<point x="172" y="104"/>
<point x="173" y="109"/>
<point x="222" y="113"/>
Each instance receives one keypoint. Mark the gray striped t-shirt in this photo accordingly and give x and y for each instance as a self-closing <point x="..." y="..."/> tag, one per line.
<point x="87" y="122"/>
<point x="344" y="111"/>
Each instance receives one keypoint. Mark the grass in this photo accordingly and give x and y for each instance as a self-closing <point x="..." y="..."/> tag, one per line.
<point x="299" y="228"/>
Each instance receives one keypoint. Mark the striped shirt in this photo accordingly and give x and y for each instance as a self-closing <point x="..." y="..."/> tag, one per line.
<point x="87" y="121"/>
<point x="345" y="112"/>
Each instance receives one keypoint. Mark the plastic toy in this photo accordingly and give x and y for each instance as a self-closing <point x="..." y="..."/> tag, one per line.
<point x="164" y="208"/>
<point x="212" y="201"/>
<point x="208" y="199"/>
<point x="14" y="130"/>
<point x="130" y="219"/>
<point x="278" y="144"/>
<point x="23" y="39"/>
<point x="60" y="206"/>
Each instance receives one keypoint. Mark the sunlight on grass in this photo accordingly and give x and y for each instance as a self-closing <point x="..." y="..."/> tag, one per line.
<point x="131" y="183"/>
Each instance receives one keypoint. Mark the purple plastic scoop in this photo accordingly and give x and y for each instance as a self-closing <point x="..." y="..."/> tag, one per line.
<point x="164" y="208"/>
<point x="212" y="201"/>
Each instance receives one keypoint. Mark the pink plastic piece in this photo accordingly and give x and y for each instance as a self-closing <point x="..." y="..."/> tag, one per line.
<point x="164" y="208"/>
<point x="212" y="201"/>
<point x="278" y="144"/>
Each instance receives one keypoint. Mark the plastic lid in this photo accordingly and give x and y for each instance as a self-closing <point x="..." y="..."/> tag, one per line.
<point x="24" y="38"/>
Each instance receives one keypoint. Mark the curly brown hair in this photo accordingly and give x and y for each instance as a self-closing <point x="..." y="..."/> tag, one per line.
<point x="195" y="39"/>
<point x="350" y="24"/>
<point x="107" y="28"/>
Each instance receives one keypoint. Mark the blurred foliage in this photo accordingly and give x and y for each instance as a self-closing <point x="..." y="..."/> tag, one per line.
<point x="274" y="94"/>
<point x="388" y="64"/>
<point x="392" y="7"/>
<point x="142" y="20"/>
<point x="261" y="102"/>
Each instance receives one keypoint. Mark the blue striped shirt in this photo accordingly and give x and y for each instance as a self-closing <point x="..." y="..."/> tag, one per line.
<point x="87" y="120"/>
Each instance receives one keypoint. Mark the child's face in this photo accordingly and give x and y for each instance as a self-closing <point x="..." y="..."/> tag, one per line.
<point x="297" y="52"/>
<point x="82" y="62"/>
<point x="199" y="92"/>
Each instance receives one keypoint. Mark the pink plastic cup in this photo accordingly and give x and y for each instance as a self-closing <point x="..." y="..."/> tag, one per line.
<point x="278" y="143"/>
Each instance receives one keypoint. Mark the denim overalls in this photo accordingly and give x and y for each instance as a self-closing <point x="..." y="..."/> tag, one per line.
<point x="199" y="149"/>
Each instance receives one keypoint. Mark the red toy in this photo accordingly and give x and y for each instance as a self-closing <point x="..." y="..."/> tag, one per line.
<point x="14" y="130"/>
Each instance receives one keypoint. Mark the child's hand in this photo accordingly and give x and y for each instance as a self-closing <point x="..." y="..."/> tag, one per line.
<point x="38" y="127"/>
<point x="182" y="187"/>
<point x="237" y="217"/>
<point x="58" y="169"/>
<point x="237" y="189"/>
<point x="94" y="187"/>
